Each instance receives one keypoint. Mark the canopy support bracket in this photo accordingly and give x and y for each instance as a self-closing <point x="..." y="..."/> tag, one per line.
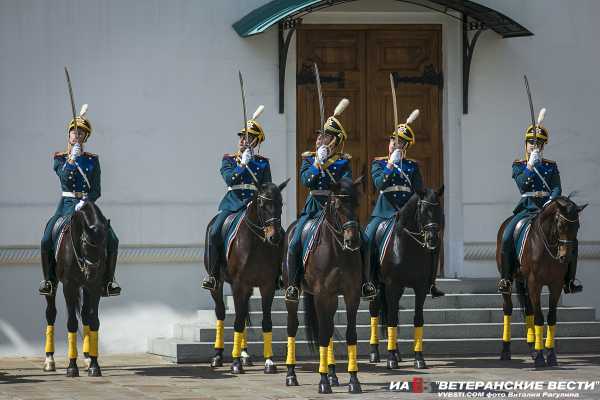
<point x="468" y="50"/>
<point x="286" y="31"/>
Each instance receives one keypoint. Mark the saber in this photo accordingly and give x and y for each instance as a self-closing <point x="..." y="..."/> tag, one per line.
<point x="320" y="94"/>
<point x="395" y="109"/>
<point x="530" y="101"/>
<point x="244" y="106"/>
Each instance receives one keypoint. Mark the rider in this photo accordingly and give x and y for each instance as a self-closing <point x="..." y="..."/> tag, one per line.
<point x="318" y="172"/>
<point x="397" y="178"/>
<point x="243" y="172"/>
<point x="79" y="175"/>
<point x="538" y="181"/>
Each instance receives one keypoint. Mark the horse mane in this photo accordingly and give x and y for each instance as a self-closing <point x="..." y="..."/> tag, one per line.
<point x="564" y="205"/>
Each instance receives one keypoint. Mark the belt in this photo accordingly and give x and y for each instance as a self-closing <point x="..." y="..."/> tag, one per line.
<point x="243" y="186"/>
<point x="536" y="194"/>
<point x="396" y="188"/>
<point x="320" y="192"/>
<point x="77" y="195"/>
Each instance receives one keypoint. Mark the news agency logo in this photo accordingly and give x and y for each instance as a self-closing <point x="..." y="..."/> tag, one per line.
<point x="417" y="385"/>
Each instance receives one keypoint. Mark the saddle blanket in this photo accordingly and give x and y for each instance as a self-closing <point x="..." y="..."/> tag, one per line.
<point x="230" y="230"/>
<point x="309" y="235"/>
<point x="521" y="238"/>
<point x="383" y="235"/>
<point x="61" y="226"/>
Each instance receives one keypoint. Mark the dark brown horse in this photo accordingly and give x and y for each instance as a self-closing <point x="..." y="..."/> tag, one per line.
<point x="80" y="266"/>
<point x="333" y="268"/>
<point x="546" y="252"/>
<point x="254" y="261"/>
<point x="410" y="261"/>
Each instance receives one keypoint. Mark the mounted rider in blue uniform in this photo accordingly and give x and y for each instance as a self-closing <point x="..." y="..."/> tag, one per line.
<point x="318" y="172"/>
<point x="243" y="172"/>
<point x="396" y="178"/>
<point x="79" y="175"/>
<point x="538" y="181"/>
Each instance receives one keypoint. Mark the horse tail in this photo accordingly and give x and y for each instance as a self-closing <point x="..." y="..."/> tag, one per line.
<point x="382" y="301"/>
<point x="311" y="322"/>
<point x="523" y="296"/>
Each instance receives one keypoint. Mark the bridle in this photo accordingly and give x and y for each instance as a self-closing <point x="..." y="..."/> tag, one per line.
<point x="559" y="242"/>
<point x="337" y="228"/>
<point x="259" y="228"/>
<point x="83" y="263"/>
<point x="424" y="232"/>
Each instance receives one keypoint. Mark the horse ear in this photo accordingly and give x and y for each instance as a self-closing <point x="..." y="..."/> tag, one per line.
<point x="358" y="181"/>
<point x="580" y="208"/>
<point x="283" y="184"/>
<point x="440" y="191"/>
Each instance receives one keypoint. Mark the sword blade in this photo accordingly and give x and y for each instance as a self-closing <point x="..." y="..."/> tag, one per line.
<point x="530" y="101"/>
<point x="393" y="86"/>
<point x="71" y="97"/>
<point x="320" y="94"/>
<point x="244" y="106"/>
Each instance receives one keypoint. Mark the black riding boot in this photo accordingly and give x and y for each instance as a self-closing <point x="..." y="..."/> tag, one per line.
<point x="111" y="288"/>
<point x="212" y="266"/>
<point x="48" y="285"/>
<point x="368" y="289"/>
<point x="504" y="284"/>
<point x="433" y="290"/>
<point x="570" y="286"/>
<point x="292" y="293"/>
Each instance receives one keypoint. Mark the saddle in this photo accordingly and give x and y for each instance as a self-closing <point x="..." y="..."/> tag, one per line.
<point x="382" y="236"/>
<point x="309" y="237"/>
<point x="61" y="226"/>
<point x="520" y="234"/>
<point x="230" y="228"/>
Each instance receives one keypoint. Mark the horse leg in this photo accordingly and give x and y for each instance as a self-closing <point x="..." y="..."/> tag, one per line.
<point x="72" y="300"/>
<point x="217" y="295"/>
<point x="374" y="340"/>
<point x="418" y="322"/>
<point x="534" y="295"/>
<point x="94" y="301"/>
<point x="507" y="308"/>
<point x="555" y="291"/>
<point x="331" y="375"/>
<point x="246" y="358"/>
<point x="392" y="305"/>
<point x="85" y="320"/>
<point x="292" y="330"/>
<point x="241" y="296"/>
<point x="325" y="314"/>
<point x="49" y="364"/>
<point x="351" y="339"/>
<point x="267" y="294"/>
<point x="528" y="311"/>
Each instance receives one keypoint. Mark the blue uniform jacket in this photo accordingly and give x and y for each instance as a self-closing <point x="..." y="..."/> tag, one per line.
<point x="235" y="174"/>
<point x="71" y="179"/>
<point x="389" y="203"/>
<point x="529" y="181"/>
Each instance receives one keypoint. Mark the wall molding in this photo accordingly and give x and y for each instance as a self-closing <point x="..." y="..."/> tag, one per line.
<point x="487" y="251"/>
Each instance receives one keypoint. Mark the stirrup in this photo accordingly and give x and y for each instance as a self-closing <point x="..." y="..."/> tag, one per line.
<point x="112" y="289"/>
<point x="42" y="289"/>
<point x="572" y="287"/>
<point x="292" y="294"/>
<point x="435" y="292"/>
<point x="504" y="286"/>
<point x="209" y="283"/>
<point x="368" y="291"/>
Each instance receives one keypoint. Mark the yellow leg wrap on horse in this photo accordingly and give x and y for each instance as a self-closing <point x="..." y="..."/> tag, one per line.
<point x="237" y="344"/>
<point x="392" y="335"/>
<point x="50" y="339"/>
<point x="506" y="331"/>
<point x="374" y="324"/>
<point x="352" y="364"/>
<point x="93" y="343"/>
<point x="219" y="342"/>
<point x="330" y="353"/>
<point x="323" y="359"/>
<point x="245" y="339"/>
<point x="291" y="351"/>
<point x="72" y="345"/>
<point x="268" y="344"/>
<point x="550" y="336"/>
<point x="539" y="337"/>
<point x="418" y="338"/>
<point x="86" y="338"/>
<point x="530" y="330"/>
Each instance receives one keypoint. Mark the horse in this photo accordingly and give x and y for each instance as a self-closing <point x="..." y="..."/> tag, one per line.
<point x="80" y="266"/>
<point x="410" y="259"/>
<point x="254" y="260"/>
<point x="546" y="251"/>
<point x="333" y="268"/>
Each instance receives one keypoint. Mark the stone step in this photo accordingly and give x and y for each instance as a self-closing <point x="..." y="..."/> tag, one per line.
<point x="182" y="351"/>
<point x="197" y="333"/>
<point x="432" y="316"/>
<point x="450" y="300"/>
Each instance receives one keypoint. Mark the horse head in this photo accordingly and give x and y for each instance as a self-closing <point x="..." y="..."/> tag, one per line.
<point x="343" y="204"/>
<point x="89" y="235"/>
<point x="429" y="216"/>
<point x="564" y="217"/>
<point x="269" y="205"/>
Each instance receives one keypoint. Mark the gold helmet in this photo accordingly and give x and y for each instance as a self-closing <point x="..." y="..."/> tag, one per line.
<point x="538" y="131"/>
<point x="333" y="126"/>
<point x="254" y="128"/>
<point x="405" y="131"/>
<point x="82" y="123"/>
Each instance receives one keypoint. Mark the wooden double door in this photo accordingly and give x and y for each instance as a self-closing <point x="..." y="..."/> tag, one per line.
<point x="355" y="62"/>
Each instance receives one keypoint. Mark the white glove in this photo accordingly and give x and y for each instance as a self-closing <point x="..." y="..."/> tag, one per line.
<point x="75" y="151"/>
<point x="246" y="157"/>
<point x="534" y="158"/>
<point x="79" y="205"/>
<point x="395" y="156"/>
<point x="322" y="153"/>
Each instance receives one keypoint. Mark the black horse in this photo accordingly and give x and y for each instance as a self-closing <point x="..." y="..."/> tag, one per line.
<point x="410" y="260"/>
<point x="254" y="261"/>
<point x="80" y="266"/>
<point x="546" y="253"/>
<point x="333" y="268"/>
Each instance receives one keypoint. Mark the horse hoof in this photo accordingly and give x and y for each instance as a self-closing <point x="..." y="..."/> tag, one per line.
<point x="539" y="360"/>
<point x="551" y="358"/>
<point x="354" y="387"/>
<point x="49" y="366"/>
<point x="217" y="361"/>
<point x="325" y="388"/>
<point x="420" y="364"/>
<point x="291" y="380"/>
<point x="72" y="372"/>
<point x="374" y="357"/>
<point x="94" y="371"/>
<point x="532" y="351"/>
<point x="505" y="356"/>
<point x="237" y="367"/>
<point x="270" y="368"/>
<point x="333" y="380"/>
<point x="392" y="364"/>
<point x="247" y="361"/>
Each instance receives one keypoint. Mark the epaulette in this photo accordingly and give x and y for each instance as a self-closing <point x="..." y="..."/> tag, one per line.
<point x="261" y="157"/>
<point x="517" y="161"/>
<point x="548" y="161"/>
<point x="60" y="154"/>
<point x="411" y="160"/>
<point x="380" y="158"/>
<point x="345" y="156"/>
<point x="308" y="154"/>
<point x="85" y="153"/>
<point x="229" y="155"/>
